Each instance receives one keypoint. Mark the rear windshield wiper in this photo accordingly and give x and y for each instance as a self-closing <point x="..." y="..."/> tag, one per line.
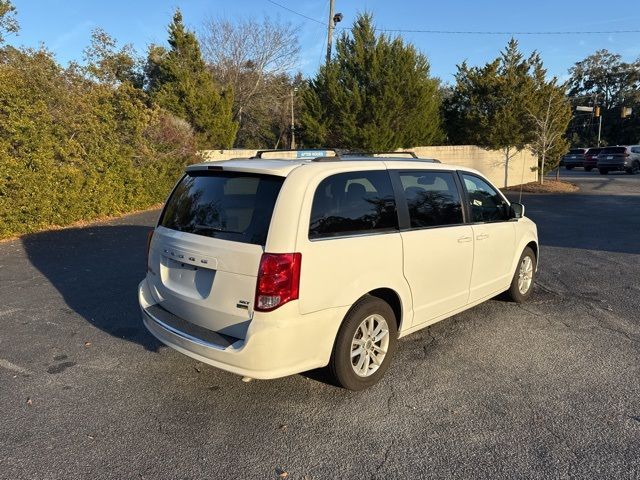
<point x="211" y="228"/>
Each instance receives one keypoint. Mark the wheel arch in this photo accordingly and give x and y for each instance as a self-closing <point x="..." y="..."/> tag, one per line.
<point x="388" y="295"/>
<point x="392" y="298"/>
<point x="533" y="245"/>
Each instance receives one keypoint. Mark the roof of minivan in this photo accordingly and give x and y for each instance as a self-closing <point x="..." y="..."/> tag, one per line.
<point x="282" y="167"/>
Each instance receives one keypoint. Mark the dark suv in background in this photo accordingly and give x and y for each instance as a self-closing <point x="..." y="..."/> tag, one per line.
<point x="574" y="158"/>
<point x="591" y="158"/>
<point x="619" y="158"/>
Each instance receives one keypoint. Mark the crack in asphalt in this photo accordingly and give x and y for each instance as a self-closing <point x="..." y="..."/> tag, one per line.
<point x="385" y="459"/>
<point x="548" y="317"/>
<point x="541" y="421"/>
<point x="600" y="323"/>
<point x="391" y="397"/>
<point x="615" y="330"/>
<point x="560" y="439"/>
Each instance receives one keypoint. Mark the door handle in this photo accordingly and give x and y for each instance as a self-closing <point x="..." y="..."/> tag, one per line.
<point x="464" y="239"/>
<point x="482" y="236"/>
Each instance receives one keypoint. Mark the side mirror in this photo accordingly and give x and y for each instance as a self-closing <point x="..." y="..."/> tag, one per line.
<point x="517" y="210"/>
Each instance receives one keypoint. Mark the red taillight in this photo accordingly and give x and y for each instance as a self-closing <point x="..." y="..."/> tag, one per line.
<point x="278" y="280"/>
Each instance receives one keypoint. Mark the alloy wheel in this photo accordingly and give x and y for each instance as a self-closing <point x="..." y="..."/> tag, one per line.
<point x="525" y="275"/>
<point x="369" y="345"/>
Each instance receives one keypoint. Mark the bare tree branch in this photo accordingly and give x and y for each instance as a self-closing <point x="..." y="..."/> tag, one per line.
<point x="244" y="54"/>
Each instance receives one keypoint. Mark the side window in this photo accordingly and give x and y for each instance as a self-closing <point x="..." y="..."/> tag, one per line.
<point x="353" y="203"/>
<point x="485" y="203"/>
<point x="432" y="198"/>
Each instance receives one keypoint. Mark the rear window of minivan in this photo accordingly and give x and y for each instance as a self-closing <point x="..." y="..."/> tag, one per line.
<point x="234" y="206"/>
<point x="610" y="150"/>
<point x="576" y="151"/>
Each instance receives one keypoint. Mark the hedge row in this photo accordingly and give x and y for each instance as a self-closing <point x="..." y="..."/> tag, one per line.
<point x="73" y="149"/>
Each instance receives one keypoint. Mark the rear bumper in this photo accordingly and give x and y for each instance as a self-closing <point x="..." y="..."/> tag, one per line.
<point x="277" y="344"/>
<point x="570" y="162"/>
<point x="612" y="166"/>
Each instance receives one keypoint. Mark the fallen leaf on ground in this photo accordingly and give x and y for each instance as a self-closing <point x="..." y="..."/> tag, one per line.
<point x="283" y="428"/>
<point x="87" y="344"/>
<point x="29" y="401"/>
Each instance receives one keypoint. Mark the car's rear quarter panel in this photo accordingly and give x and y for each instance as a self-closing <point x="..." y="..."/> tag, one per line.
<point x="335" y="272"/>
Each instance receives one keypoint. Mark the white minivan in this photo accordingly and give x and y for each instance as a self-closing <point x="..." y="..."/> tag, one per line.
<point x="271" y="267"/>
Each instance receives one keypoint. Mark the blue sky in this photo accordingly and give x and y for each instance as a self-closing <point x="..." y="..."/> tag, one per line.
<point x="65" y="26"/>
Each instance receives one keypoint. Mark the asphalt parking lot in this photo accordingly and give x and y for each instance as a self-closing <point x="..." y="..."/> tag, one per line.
<point x="550" y="389"/>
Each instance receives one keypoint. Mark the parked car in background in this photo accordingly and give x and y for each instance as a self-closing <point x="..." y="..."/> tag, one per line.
<point x="591" y="158"/>
<point x="619" y="158"/>
<point x="574" y="158"/>
<point x="266" y="268"/>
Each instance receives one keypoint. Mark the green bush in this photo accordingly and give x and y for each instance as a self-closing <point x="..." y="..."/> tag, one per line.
<point x="72" y="148"/>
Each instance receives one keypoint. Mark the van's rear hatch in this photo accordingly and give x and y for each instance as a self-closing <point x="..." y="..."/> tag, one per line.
<point x="205" y="253"/>
<point x="612" y="155"/>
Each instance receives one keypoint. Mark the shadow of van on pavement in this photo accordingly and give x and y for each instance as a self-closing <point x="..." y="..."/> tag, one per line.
<point x="97" y="269"/>
<point x="602" y="222"/>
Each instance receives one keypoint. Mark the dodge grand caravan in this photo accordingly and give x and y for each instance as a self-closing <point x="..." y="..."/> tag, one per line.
<point x="266" y="268"/>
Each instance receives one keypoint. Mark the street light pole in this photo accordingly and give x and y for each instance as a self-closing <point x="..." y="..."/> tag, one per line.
<point x="599" y="127"/>
<point x="598" y="111"/>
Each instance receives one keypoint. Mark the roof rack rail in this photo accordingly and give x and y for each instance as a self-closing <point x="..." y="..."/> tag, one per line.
<point x="366" y="153"/>
<point x="340" y="154"/>
<point x="321" y="152"/>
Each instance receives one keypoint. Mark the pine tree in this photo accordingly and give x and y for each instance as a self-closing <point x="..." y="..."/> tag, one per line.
<point x="490" y="105"/>
<point x="178" y="81"/>
<point x="376" y="94"/>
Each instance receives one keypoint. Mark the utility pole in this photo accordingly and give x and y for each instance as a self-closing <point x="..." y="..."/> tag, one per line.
<point x="330" y="30"/>
<point x="293" y="122"/>
<point x="333" y="20"/>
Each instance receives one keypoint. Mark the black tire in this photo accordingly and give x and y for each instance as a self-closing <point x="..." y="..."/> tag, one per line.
<point x="568" y="167"/>
<point x="603" y="171"/>
<point x="588" y="169"/>
<point x="635" y="168"/>
<point x="514" y="292"/>
<point x="340" y="365"/>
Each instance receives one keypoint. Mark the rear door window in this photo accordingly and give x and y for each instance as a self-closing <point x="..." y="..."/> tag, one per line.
<point x="232" y="206"/>
<point x="432" y="198"/>
<point x="353" y="203"/>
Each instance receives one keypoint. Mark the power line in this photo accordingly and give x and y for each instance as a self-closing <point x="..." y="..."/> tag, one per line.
<point x="478" y="32"/>
<point x="468" y="32"/>
<point x="296" y="13"/>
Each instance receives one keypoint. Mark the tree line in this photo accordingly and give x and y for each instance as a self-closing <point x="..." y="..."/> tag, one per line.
<point x="111" y="133"/>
